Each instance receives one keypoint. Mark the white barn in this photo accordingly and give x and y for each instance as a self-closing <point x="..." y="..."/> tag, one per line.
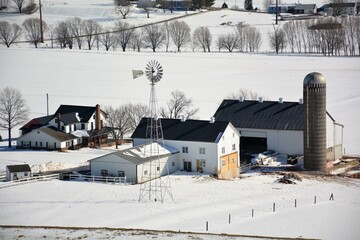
<point x="136" y="164"/>
<point x="275" y="125"/>
<point x="16" y="172"/>
<point x="205" y="146"/>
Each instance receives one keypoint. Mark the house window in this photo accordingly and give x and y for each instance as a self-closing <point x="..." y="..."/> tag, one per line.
<point x="55" y="145"/>
<point x="223" y="150"/>
<point x="40" y="144"/>
<point x="233" y="134"/>
<point x="158" y="169"/>
<point x="15" y="176"/>
<point x="202" y="150"/>
<point x="121" y="173"/>
<point x="63" y="128"/>
<point x="94" y="116"/>
<point x="83" y="126"/>
<point x="173" y="164"/>
<point x="203" y="163"/>
<point x="101" y="123"/>
<point x="223" y="163"/>
<point x="92" y="126"/>
<point x="234" y="147"/>
<point x="25" y="174"/>
<point x="35" y="143"/>
<point x="104" y="172"/>
<point x="185" y="149"/>
<point x="74" y="127"/>
<point x="223" y="138"/>
<point x="145" y="172"/>
<point x="47" y="145"/>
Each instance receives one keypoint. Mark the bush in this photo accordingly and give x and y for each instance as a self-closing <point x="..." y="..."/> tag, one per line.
<point x="30" y="8"/>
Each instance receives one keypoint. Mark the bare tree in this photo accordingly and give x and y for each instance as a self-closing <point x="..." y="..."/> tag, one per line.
<point x="277" y="39"/>
<point x="135" y="113"/>
<point x="118" y="122"/>
<point x="179" y="105"/>
<point x="76" y="27"/>
<point x="180" y="33"/>
<point x="245" y="93"/>
<point x="107" y="39"/>
<point x="166" y="28"/>
<point x="20" y="4"/>
<point x="13" y="110"/>
<point x="137" y="41"/>
<point x="203" y="38"/>
<point x="123" y="7"/>
<point x="62" y="33"/>
<point x="91" y="29"/>
<point x="9" y="33"/>
<point x="124" y="32"/>
<point x="228" y="41"/>
<point x="3" y="4"/>
<point x="253" y="39"/>
<point x="290" y="32"/>
<point x="266" y="4"/>
<point x="153" y="36"/>
<point x="33" y="32"/>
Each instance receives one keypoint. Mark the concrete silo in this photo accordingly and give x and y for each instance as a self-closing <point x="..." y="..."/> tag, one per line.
<point x="315" y="122"/>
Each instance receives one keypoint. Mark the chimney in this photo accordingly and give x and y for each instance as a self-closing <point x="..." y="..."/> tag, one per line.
<point x="97" y="117"/>
<point x="212" y="119"/>
<point x="241" y="99"/>
<point x="261" y="99"/>
<point x="58" y="121"/>
<point x="281" y="100"/>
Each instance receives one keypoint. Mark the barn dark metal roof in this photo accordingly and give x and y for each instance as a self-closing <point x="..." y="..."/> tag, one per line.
<point x="188" y="130"/>
<point x="19" y="168"/>
<point x="262" y="115"/>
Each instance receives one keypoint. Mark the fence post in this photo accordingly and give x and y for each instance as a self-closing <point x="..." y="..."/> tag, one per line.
<point x="295" y="202"/>
<point x="229" y="218"/>
<point x="274" y="207"/>
<point x="331" y="197"/>
<point x="207" y="226"/>
<point x="315" y="200"/>
<point x="252" y="212"/>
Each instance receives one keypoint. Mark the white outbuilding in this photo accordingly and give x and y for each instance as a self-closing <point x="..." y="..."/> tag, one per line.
<point x="16" y="172"/>
<point x="136" y="163"/>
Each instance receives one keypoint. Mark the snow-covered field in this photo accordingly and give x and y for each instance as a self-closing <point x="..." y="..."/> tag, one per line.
<point x="99" y="77"/>
<point x="197" y="199"/>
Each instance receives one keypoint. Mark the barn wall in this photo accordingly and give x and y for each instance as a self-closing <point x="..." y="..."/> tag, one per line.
<point x="113" y="164"/>
<point x="148" y="171"/>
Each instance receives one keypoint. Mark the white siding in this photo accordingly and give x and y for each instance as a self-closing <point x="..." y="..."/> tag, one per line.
<point x="39" y="136"/>
<point x="19" y="175"/>
<point x="229" y="138"/>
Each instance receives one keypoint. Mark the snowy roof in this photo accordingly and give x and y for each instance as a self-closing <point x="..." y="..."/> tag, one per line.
<point x="80" y="133"/>
<point x="143" y="153"/>
<point x="19" y="168"/>
<point x="55" y="133"/>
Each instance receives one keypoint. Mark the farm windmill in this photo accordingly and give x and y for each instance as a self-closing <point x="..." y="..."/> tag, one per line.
<point x="154" y="186"/>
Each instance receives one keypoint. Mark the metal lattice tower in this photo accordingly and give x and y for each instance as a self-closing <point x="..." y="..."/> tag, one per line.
<point x="155" y="173"/>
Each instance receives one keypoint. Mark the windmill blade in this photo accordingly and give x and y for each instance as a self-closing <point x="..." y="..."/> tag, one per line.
<point x="137" y="73"/>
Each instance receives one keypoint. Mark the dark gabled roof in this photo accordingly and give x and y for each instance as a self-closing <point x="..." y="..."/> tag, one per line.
<point x="70" y="118"/>
<point x="102" y="131"/>
<point x="37" y="122"/>
<point x="85" y="112"/>
<point x="188" y="130"/>
<point x="19" y="168"/>
<point x="265" y="115"/>
<point x="55" y="133"/>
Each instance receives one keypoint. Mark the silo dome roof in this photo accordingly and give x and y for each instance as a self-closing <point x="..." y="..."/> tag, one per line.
<point x="314" y="78"/>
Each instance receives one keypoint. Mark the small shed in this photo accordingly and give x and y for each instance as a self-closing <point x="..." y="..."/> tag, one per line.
<point x="16" y="172"/>
<point x="136" y="163"/>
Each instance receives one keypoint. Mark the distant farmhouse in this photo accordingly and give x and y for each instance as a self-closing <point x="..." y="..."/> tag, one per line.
<point x="276" y="125"/>
<point x="191" y="145"/>
<point x="176" y="5"/>
<point x="70" y="127"/>
<point x="337" y="9"/>
<point x="293" y="8"/>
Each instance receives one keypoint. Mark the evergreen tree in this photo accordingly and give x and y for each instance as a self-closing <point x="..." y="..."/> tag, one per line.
<point x="248" y="5"/>
<point x="203" y="3"/>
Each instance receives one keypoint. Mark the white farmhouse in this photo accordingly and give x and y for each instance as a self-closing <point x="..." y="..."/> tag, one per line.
<point x="205" y="146"/>
<point x="276" y="125"/>
<point x="16" y="172"/>
<point x="136" y="163"/>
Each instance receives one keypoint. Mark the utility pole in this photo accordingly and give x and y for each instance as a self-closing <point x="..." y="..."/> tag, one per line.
<point x="277" y="12"/>
<point x="41" y="25"/>
<point x="47" y="104"/>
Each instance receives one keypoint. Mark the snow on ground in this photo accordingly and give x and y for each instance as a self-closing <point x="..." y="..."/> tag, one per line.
<point x="97" y="77"/>
<point x="197" y="199"/>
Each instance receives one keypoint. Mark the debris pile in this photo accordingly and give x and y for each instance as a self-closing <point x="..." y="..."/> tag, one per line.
<point x="289" y="178"/>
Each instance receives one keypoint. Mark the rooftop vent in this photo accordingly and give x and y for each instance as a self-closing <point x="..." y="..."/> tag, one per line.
<point x="261" y="100"/>
<point x="241" y="99"/>
<point x="212" y="119"/>
<point x="281" y="100"/>
<point x="301" y="101"/>
<point x="183" y="118"/>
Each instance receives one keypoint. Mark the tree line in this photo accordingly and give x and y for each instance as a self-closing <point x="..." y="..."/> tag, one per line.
<point x="328" y="36"/>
